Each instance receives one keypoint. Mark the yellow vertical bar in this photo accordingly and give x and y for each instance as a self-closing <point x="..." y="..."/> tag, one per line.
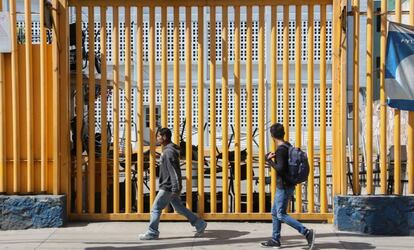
<point x="104" y="127"/>
<point x="286" y="70"/>
<point x="322" y="77"/>
<point x="56" y="101"/>
<point x="164" y="69"/>
<point x="200" y="205"/>
<point x="237" y="154"/>
<point x="91" y="112"/>
<point x="177" y="75"/>
<point x="29" y="96"/>
<point x="298" y="96"/>
<point x="397" y="126"/>
<point x="64" y="98"/>
<point x="128" y="83"/>
<point x="273" y="89"/>
<point x="262" y="194"/>
<point x="43" y="138"/>
<point x="15" y="99"/>
<point x="249" y="100"/>
<point x="213" y="195"/>
<point x="310" y="105"/>
<point x="224" y="96"/>
<point x="342" y="104"/>
<point x="79" y="110"/>
<point x="355" y="171"/>
<point x="3" y="172"/>
<point x="188" y="103"/>
<point x="383" y="109"/>
<point x="336" y="70"/>
<point x="115" y="106"/>
<point x="410" y="129"/>
<point x="164" y="72"/>
<point x="370" y="60"/>
<point x="140" y="111"/>
<point x="152" y="102"/>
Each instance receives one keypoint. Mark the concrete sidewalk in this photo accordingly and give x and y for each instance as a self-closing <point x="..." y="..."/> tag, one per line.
<point x="179" y="235"/>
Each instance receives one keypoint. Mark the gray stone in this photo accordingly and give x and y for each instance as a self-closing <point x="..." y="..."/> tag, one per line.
<point x="375" y="214"/>
<point x="38" y="211"/>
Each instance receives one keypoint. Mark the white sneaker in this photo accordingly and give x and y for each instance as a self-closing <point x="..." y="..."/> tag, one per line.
<point x="147" y="236"/>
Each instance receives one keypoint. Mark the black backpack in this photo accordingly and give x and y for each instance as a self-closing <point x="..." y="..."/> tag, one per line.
<point x="298" y="165"/>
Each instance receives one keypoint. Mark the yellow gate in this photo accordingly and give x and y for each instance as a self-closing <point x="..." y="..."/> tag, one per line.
<point x="149" y="40"/>
<point x="80" y="110"/>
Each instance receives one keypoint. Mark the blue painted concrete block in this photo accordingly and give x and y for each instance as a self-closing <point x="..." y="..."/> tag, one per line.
<point x="375" y="214"/>
<point x="38" y="211"/>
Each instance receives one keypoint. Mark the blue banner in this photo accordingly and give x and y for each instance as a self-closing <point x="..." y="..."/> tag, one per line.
<point x="399" y="67"/>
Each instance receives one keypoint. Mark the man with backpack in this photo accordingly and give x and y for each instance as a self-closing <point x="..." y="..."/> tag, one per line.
<point x="292" y="168"/>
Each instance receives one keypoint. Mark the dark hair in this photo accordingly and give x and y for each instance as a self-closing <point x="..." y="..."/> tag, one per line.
<point x="165" y="132"/>
<point x="277" y="131"/>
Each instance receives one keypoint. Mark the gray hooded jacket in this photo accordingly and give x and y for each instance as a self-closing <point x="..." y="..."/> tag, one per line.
<point x="170" y="173"/>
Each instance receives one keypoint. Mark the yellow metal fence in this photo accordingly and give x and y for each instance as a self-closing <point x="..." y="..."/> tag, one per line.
<point x="37" y="104"/>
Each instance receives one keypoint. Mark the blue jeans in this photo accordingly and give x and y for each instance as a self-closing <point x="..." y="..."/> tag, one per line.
<point x="162" y="199"/>
<point x="279" y="214"/>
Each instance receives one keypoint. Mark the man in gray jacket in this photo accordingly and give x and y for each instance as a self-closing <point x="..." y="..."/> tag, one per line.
<point x="170" y="188"/>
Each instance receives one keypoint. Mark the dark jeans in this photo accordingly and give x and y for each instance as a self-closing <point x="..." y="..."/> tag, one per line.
<point x="279" y="214"/>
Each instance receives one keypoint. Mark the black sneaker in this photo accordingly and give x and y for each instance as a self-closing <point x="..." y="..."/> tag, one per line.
<point x="271" y="243"/>
<point x="310" y="237"/>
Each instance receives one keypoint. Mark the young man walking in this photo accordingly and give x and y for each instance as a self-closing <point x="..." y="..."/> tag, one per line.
<point x="169" y="188"/>
<point x="284" y="191"/>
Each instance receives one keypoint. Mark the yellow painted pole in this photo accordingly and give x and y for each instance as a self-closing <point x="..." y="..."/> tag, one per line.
<point x="342" y="106"/>
<point x="410" y="130"/>
<point x="262" y="194"/>
<point x="336" y="66"/>
<point x="29" y="96"/>
<point x="164" y="69"/>
<point x="249" y="100"/>
<point x="273" y="90"/>
<point x="200" y="189"/>
<point x="224" y="98"/>
<point x="43" y="139"/>
<point x="397" y="126"/>
<point x="355" y="170"/>
<point x="128" y="100"/>
<point x="383" y="109"/>
<point x="79" y="110"/>
<point x="15" y="99"/>
<point x="56" y="101"/>
<point x="213" y="195"/>
<point x="104" y="127"/>
<point x="237" y="98"/>
<point x="64" y="173"/>
<point x="164" y="73"/>
<point x="140" y="118"/>
<point x="188" y="103"/>
<point x="310" y="107"/>
<point x="298" y="96"/>
<point x="370" y="81"/>
<point x="91" y="112"/>
<point x="152" y="102"/>
<point x="115" y="106"/>
<point x="322" y="77"/>
<point x="177" y="75"/>
<point x="286" y="71"/>
<point x="3" y="170"/>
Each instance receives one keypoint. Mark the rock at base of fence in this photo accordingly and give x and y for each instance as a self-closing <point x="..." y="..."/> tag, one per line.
<point x="375" y="214"/>
<point x="37" y="211"/>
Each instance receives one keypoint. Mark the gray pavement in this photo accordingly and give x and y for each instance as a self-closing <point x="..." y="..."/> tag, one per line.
<point x="179" y="235"/>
